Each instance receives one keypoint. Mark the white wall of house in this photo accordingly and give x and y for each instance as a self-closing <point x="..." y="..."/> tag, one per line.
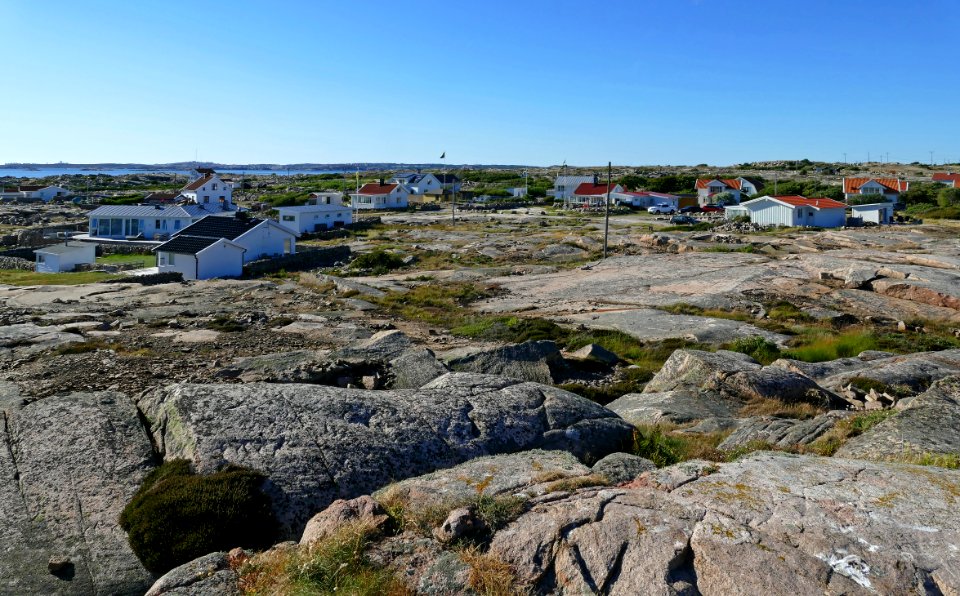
<point x="221" y="259"/>
<point x="397" y="199"/>
<point x="267" y="240"/>
<point x="185" y="264"/>
<point x="67" y="261"/>
<point x="874" y="189"/>
<point x="304" y="220"/>
<point x="121" y="227"/>
<point x="213" y="192"/>
<point x="771" y="213"/>
<point x="880" y="213"/>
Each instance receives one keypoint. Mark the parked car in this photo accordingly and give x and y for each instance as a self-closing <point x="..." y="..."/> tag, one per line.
<point x="683" y="220"/>
<point x="711" y="209"/>
<point x="690" y="209"/>
<point x="662" y="208"/>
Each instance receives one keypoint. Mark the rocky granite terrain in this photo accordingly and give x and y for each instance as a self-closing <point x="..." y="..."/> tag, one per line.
<point x="506" y="413"/>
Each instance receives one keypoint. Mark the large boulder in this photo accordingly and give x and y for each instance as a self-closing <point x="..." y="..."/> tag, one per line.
<point x="766" y="524"/>
<point x="696" y="369"/>
<point x="928" y="425"/>
<point x="68" y="466"/>
<point x="534" y="361"/>
<point x="782" y="432"/>
<point x="317" y="443"/>
<point x="678" y="407"/>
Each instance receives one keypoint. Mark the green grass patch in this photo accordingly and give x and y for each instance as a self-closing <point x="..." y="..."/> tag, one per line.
<point x="139" y="260"/>
<point x="17" y="277"/>
<point x="337" y="564"/>
<point x="746" y="248"/>
<point x="821" y="345"/>
<point x="760" y="349"/>
<point x="177" y="515"/>
<point x="226" y="325"/>
<point x="785" y="311"/>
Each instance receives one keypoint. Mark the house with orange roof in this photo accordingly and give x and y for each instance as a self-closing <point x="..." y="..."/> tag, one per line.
<point x="881" y="189"/>
<point x="377" y="195"/>
<point x="589" y="195"/>
<point x="708" y="188"/>
<point x="209" y="190"/>
<point x="947" y="178"/>
<point x="792" y="211"/>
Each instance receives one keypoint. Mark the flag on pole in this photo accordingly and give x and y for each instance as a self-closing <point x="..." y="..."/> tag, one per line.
<point x="443" y="155"/>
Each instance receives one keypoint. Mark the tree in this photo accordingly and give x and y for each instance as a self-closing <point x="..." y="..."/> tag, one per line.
<point x="948" y="197"/>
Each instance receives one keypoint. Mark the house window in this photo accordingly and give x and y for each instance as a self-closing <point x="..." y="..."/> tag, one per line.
<point x="156" y="224"/>
<point x="214" y="187"/>
<point x="171" y="259"/>
<point x="93" y="222"/>
<point x="41" y="259"/>
<point x="289" y="218"/>
<point x="206" y="198"/>
<point x="163" y="225"/>
<point x="176" y="224"/>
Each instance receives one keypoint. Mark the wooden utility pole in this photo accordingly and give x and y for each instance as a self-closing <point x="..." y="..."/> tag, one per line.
<point x="606" y="216"/>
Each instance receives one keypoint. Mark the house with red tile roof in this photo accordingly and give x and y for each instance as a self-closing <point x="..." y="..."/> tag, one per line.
<point x="708" y="188"/>
<point x="377" y="195"/>
<point x="948" y="178"/>
<point x="590" y="195"/>
<point x="209" y="190"/>
<point x="792" y="211"/>
<point x="881" y="189"/>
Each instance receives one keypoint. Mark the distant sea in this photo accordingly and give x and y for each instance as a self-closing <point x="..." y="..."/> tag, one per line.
<point x="45" y="172"/>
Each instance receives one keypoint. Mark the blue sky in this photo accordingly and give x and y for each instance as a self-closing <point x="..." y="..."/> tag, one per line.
<point x="523" y="82"/>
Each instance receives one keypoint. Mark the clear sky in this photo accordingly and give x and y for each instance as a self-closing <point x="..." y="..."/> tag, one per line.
<point x="522" y="82"/>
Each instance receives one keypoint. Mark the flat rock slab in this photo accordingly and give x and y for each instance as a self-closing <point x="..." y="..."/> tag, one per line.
<point x="678" y="407"/>
<point x="650" y="324"/>
<point x="27" y="339"/>
<point x="509" y="474"/>
<point x="68" y="466"/>
<point x="318" y="444"/>
<point x="191" y="336"/>
<point x="766" y="524"/>
<point x="930" y="424"/>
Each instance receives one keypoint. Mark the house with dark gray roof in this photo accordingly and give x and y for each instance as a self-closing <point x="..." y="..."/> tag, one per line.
<point x="261" y="238"/>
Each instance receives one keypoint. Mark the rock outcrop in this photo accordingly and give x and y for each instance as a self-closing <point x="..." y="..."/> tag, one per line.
<point x="534" y="361"/>
<point x="767" y="524"/>
<point x="928" y="425"/>
<point x="317" y="444"/>
<point x="68" y="465"/>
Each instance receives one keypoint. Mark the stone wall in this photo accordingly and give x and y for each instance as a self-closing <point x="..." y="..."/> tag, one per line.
<point x="301" y="261"/>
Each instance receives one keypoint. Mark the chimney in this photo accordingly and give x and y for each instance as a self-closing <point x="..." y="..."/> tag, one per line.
<point x="380" y="181"/>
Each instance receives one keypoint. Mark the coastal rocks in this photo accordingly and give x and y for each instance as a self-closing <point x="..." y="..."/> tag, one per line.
<point x="535" y="361"/>
<point x="927" y="426"/>
<point x="317" y="444"/>
<point x="27" y="339"/>
<point x="210" y="574"/>
<point x="326" y="523"/>
<point x="767" y="524"/>
<point x="678" y="407"/>
<point x="650" y="324"/>
<point x="506" y="474"/>
<point x="689" y="369"/>
<point x="67" y="467"/>
<point x="622" y="467"/>
<point x="782" y="432"/>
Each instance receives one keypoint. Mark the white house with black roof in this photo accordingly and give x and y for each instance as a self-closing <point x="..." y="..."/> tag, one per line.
<point x="196" y="257"/>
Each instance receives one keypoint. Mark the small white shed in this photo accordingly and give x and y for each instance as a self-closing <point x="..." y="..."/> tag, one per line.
<point x="64" y="257"/>
<point x="200" y="258"/>
<point x="878" y="213"/>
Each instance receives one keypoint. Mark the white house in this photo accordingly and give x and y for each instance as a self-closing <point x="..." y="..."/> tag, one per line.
<point x="201" y="258"/>
<point x="793" y="211"/>
<point x="887" y="188"/>
<point x="644" y="199"/>
<point x="259" y="238"/>
<point x="64" y="257"/>
<point x="417" y="183"/>
<point x="878" y="213"/>
<point x="34" y="191"/>
<point x="145" y="222"/>
<point x="378" y="195"/>
<point x="738" y="188"/>
<point x="208" y="189"/>
<point x="591" y="195"/>
<point x="564" y="186"/>
<point x="323" y="211"/>
<point x="517" y="192"/>
<point x="449" y="182"/>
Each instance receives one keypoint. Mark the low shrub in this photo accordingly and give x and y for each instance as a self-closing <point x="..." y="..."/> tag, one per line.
<point x="178" y="515"/>
<point x="377" y="262"/>
<point x="226" y="325"/>
<point x="760" y="349"/>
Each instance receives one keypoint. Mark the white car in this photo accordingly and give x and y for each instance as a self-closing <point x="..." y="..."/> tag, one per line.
<point x="662" y="208"/>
